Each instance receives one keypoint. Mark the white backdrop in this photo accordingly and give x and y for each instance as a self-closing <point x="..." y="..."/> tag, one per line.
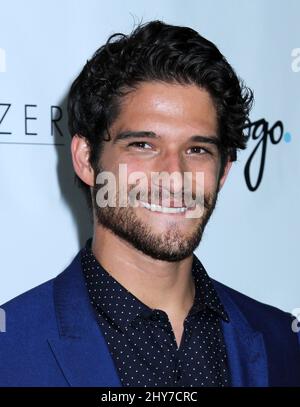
<point x="252" y="240"/>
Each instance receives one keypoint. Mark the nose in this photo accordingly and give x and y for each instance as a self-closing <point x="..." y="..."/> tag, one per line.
<point x="171" y="170"/>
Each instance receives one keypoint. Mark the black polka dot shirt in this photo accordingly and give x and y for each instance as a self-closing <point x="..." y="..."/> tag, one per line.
<point x="141" y="339"/>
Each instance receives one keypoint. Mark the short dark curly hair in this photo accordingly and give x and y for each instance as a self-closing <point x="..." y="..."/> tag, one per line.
<point x="156" y="51"/>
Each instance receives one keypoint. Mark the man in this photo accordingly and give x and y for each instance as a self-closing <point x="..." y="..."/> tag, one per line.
<point x="136" y="306"/>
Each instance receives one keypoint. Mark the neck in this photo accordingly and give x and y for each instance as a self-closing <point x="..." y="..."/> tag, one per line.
<point x="168" y="286"/>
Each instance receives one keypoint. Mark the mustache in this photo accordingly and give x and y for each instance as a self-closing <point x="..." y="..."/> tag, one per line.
<point x="154" y="193"/>
<point x="157" y="195"/>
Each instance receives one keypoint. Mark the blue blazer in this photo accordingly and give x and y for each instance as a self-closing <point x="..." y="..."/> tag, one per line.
<point x="52" y="338"/>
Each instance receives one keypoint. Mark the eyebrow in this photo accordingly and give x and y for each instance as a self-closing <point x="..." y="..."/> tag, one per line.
<point x="125" y="135"/>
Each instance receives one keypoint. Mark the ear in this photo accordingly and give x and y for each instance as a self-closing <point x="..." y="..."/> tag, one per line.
<point x="80" y="151"/>
<point x="225" y="173"/>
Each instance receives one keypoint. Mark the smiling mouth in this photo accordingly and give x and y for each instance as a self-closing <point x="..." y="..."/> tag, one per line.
<point x="163" y="209"/>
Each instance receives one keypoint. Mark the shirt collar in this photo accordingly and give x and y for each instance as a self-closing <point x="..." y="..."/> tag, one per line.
<point x="206" y="294"/>
<point x="121" y="307"/>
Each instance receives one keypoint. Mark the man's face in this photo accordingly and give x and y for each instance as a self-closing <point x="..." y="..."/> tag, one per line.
<point x="167" y="117"/>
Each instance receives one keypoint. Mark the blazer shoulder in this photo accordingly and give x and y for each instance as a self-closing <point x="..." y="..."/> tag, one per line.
<point x="30" y="322"/>
<point x="31" y="309"/>
<point x="35" y="309"/>
<point x="259" y="314"/>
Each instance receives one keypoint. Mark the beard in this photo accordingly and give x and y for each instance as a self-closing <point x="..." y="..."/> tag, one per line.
<point x="172" y="245"/>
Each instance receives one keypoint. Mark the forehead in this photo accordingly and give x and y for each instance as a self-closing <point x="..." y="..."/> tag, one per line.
<point x="165" y="104"/>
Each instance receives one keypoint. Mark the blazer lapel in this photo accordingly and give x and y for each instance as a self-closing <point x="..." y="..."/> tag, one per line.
<point x="80" y="349"/>
<point x="245" y="347"/>
<point x="83" y="355"/>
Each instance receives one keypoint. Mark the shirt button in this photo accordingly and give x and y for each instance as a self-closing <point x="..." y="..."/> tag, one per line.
<point x="178" y="375"/>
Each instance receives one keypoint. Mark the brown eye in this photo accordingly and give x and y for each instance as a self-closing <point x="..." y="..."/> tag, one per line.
<point x="198" y="150"/>
<point x="139" y="144"/>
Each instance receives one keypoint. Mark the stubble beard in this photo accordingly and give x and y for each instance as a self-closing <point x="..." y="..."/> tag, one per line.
<point x="172" y="245"/>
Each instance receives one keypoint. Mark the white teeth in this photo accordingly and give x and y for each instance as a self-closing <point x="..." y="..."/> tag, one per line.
<point x="158" y="208"/>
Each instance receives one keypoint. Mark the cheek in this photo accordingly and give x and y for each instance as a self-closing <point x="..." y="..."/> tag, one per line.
<point x="209" y="172"/>
<point x="210" y="184"/>
<point x="131" y="174"/>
